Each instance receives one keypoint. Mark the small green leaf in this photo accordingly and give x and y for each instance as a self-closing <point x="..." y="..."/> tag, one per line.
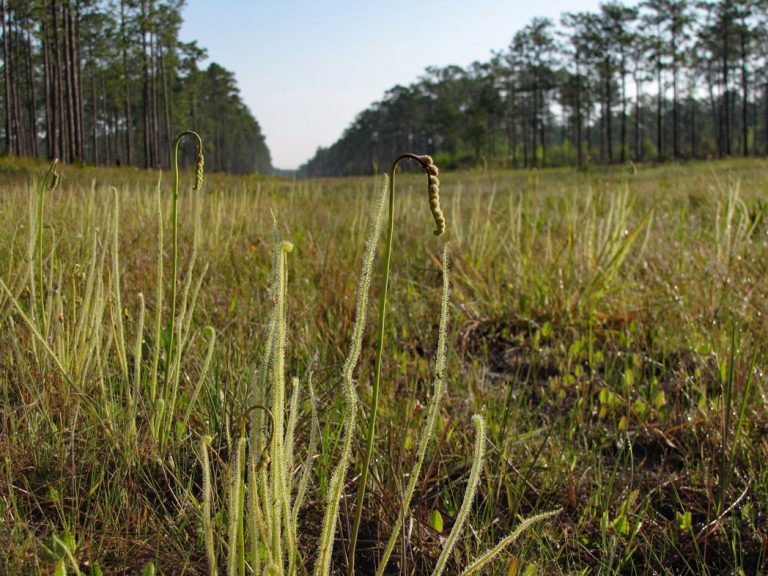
<point x="435" y="521"/>
<point x="95" y="486"/>
<point x="623" y="423"/>
<point x="60" y="569"/>
<point x="621" y="525"/>
<point x="684" y="520"/>
<point x="629" y="377"/>
<point x="599" y="357"/>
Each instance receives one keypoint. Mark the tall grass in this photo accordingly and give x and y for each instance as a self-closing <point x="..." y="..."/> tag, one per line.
<point x="433" y="184"/>
<point x="280" y="531"/>
<point x="593" y="338"/>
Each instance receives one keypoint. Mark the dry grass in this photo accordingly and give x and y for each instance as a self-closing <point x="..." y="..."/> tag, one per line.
<point x="619" y="364"/>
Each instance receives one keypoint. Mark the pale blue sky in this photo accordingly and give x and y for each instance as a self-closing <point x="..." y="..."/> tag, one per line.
<point x="307" y="68"/>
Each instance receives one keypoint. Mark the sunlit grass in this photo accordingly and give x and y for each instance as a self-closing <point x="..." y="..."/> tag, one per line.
<point x="608" y="325"/>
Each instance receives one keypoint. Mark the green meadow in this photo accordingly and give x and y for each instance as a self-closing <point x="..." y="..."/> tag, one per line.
<point x="583" y="384"/>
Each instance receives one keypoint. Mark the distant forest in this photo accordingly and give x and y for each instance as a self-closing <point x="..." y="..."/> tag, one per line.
<point x="663" y="80"/>
<point x="108" y="82"/>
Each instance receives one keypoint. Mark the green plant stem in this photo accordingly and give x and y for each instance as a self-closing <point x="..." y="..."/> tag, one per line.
<point x="40" y="279"/>
<point x="377" y="370"/>
<point x="429" y="429"/>
<point x="42" y="340"/>
<point x="336" y="486"/>
<point x="207" y="518"/>
<point x="469" y="495"/>
<point x="175" y="240"/>
<point x="158" y="314"/>
<point x="489" y="555"/>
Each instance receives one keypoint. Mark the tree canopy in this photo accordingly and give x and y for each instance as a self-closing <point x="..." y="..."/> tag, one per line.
<point x="663" y="79"/>
<point x="109" y="82"/>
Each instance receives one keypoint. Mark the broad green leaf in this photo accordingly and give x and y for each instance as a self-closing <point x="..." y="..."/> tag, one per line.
<point x="435" y="520"/>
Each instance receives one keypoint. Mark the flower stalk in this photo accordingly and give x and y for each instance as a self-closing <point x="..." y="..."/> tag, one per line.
<point x="433" y="188"/>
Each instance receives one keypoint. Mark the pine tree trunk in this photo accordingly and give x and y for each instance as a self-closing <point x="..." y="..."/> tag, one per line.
<point x="50" y="107"/>
<point x="59" y="90"/>
<point x="765" y="104"/>
<point x="7" y="81"/>
<point x="94" y="119"/>
<point x="543" y="126"/>
<point x="110" y="141"/>
<point x="525" y="134"/>
<point x="693" y="126"/>
<point x="146" y="104"/>
<point x="127" y="88"/>
<point x="726" y="121"/>
<point x="601" y="128"/>
<point x="534" y="112"/>
<point x="744" y="94"/>
<point x="638" y="150"/>
<point x="166" y="107"/>
<point x="70" y="86"/>
<point x="675" y="140"/>
<point x="32" y="97"/>
<point x="154" y="93"/>
<point x="16" y="89"/>
<point x="715" y="109"/>
<point x="579" y="140"/>
<point x="512" y="130"/>
<point x="623" y="113"/>
<point x="589" y="132"/>
<point x="659" y="125"/>
<point x="79" y="79"/>
<point x="608" y="107"/>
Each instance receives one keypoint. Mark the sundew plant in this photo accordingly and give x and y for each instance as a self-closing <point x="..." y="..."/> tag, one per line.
<point x="264" y="540"/>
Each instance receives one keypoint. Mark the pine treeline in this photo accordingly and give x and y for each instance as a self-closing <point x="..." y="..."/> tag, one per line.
<point x="108" y="82"/>
<point x="662" y="80"/>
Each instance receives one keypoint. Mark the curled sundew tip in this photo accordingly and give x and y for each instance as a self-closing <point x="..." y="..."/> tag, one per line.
<point x="199" y="168"/>
<point x="434" y="200"/>
<point x="54" y="183"/>
<point x="207" y="439"/>
<point x="287" y="246"/>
